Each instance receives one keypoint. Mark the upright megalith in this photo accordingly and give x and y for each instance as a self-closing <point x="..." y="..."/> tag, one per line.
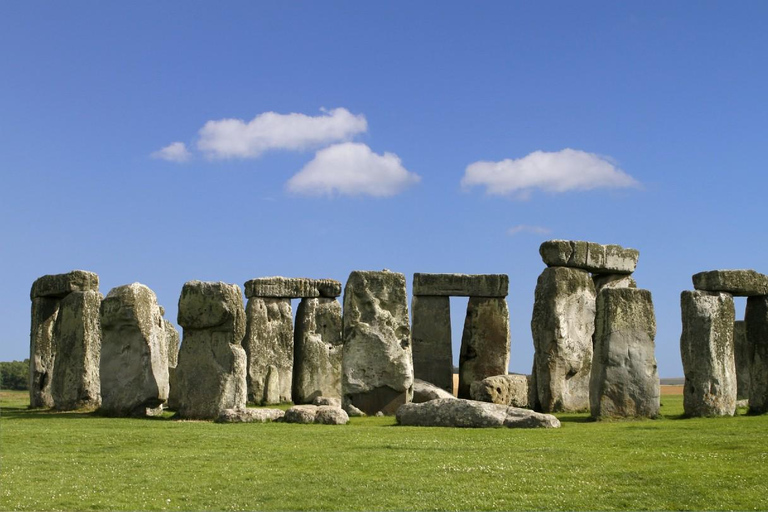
<point x="46" y="294"/>
<point x="562" y="325"/>
<point x="756" y="320"/>
<point x="211" y="371"/>
<point x="77" y="335"/>
<point x="706" y="346"/>
<point x="317" y="350"/>
<point x="624" y="380"/>
<point x="431" y="333"/>
<point x="743" y="352"/>
<point x="484" y="342"/>
<point x="377" y="367"/>
<point x="134" y="352"/>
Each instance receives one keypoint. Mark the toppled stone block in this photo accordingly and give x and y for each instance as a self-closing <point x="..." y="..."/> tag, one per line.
<point x="502" y="389"/>
<point x="562" y="326"/>
<point x="742" y="283"/>
<point x="706" y="346"/>
<point x="589" y="256"/>
<point x="42" y="351"/>
<point x="484" y="342"/>
<point x="211" y="372"/>
<point x="431" y="334"/>
<point x="134" y="352"/>
<point x="471" y="414"/>
<point x="426" y="391"/>
<point x="60" y="285"/>
<point x="76" y="383"/>
<point x="269" y="346"/>
<point x="250" y="415"/>
<point x="327" y="400"/>
<point x="624" y="381"/>
<point x="756" y="321"/>
<point x="324" y="414"/>
<point x="377" y="367"/>
<point x="613" y="281"/>
<point x="461" y="285"/>
<point x="317" y="350"/>
<point x="292" y="288"/>
<point x="743" y="352"/>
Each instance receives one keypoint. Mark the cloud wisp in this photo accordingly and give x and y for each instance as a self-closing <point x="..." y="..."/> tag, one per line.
<point x="173" y="152"/>
<point x="524" y="228"/>
<point x="554" y="172"/>
<point x="351" y="169"/>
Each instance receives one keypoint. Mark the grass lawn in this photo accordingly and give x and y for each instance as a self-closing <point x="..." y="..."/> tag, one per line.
<point x="72" y="461"/>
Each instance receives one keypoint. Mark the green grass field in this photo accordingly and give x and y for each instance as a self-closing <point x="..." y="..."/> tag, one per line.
<point x="76" y="461"/>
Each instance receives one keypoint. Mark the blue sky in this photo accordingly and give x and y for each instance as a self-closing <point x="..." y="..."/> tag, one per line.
<point x="396" y="105"/>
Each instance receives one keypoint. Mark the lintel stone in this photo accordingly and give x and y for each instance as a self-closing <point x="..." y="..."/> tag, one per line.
<point x="60" y="285"/>
<point x="742" y="283"/>
<point x="595" y="258"/>
<point x="461" y="285"/>
<point x="292" y="288"/>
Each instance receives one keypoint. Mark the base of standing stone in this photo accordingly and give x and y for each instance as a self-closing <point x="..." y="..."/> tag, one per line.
<point x="383" y="399"/>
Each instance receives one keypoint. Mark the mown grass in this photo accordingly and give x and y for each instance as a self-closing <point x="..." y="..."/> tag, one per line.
<point x="86" y="462"/>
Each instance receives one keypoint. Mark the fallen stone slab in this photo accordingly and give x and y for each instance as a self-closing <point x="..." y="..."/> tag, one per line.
<point x="59" y="285"/>
<point x="327" y="400"/>
<point x="323" y="414"/>
<point x="250" y="415"/>
<point x="425" y="391"/>
<point x="589" y="256"/>
<point x="292" y="288"/>
<point x="447" y="412"/>
<point x="502" y="389"/>
<point x="742" y="283"/>
<point x="461" y="285"/>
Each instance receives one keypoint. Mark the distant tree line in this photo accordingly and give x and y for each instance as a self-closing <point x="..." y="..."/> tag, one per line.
<point x="14" y="375"/>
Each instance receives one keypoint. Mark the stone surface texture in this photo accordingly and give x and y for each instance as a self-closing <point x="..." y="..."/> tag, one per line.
<point x="743" y="352"/>
<point x="211" y="372"/>
<point x="471" y="414"/>
<point x="484" y="342"/>
<point x="76" y="383"/>
<point x="323" y="414"/>
<point x="134" y="352"/>
<point x="461" y="285"/>
<point x="706" y="346"/>
<point x="431" y="334"/>
<point x="624" y="381"/>
<point x="562" y="325"/>
<point x="172" y="342"/>
<point x="756" y="320"/>
<point x="250" y="415"/>
<point x="377" y="365"/>
<point x="61" y="285"/>
<point x="269" y="344"/>
<point x="596" y="258"/>
<point x="292" y="288"/>
<point x="425" y="391"/>
<point x="42" y="351"/>
<point x="613" y="281"/>
<point x="744" y="283"/>
<point x="327" y="400"/>
<point x="502" y="389"/>
<point x="317" y="350"/>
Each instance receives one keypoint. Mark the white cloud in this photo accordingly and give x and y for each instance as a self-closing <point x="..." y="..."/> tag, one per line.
<point x="235" y="138"/>
<point x="524" y="228"/>
<point x="174" y="152"/>
<point x="560" y="171"/>
<point x="352" y="169"/>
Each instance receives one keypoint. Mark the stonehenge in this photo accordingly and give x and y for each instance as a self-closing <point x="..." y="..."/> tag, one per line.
<point x="450" y="412"/>
<point x="509" y="389"/>
<point x="743" y="352"/>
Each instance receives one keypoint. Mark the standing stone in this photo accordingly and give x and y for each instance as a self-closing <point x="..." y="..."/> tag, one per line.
<point x="624" y="381"/>
<point x="318" y="350"/>
<point x="706" y="346"/>
<point x="42" y="351"/>
<point x="756" y="320"/>
<point x="272" y="386"/>
<point x="212" y="364"/>
<point x="377" y="365"/>
<point x="172" y="342"/>
<point x="77" y="333"/>
<point x="432" y="352"/>
<point x="562" y="326"/>
<point x="134" y="352"/>
<point x="742" y="353"/>
<point x="269" y="342"/>
<point x="484" y="342"/>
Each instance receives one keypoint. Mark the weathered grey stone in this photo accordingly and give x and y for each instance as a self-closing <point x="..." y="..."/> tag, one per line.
<point x="60" y="285"/>
<point x="432" y="351"/>
<point x="77" y="336"/>
<point x="211" y="372"/>
<point x="301" y="414"/>
<point x="756" y="320"/>
<point x="272" y="386"/>
<point x="292" y="288"/>
<point x="351" y="410"/>
<point x="377" y="366"/>
<point x="447" y="412"/>
<point x="327" y="415"/>
<point x="250" y="415"/>
<point x="426" y="391"/>
<point x="744" y="283"/>
<point x="172" y="342"/>
<point x="461" y="285"/>
<point x="484" y="342"/>
<point x="562" y="326"/>
<point x="600" y="259"/>
<point x="134" y="352"/>
<point x="613" y="281"/>
<point x="624" y="380"/>
<point x="706" y="346"/>
<point x="269" y="342"/>
<point x="743" y="352"/>
<point x="42" y="351"/>
<point x="173" y="390"/>
<point x="509" y="389"/>
<point x="327" y="400"/>
<point x="317" y="350"/>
